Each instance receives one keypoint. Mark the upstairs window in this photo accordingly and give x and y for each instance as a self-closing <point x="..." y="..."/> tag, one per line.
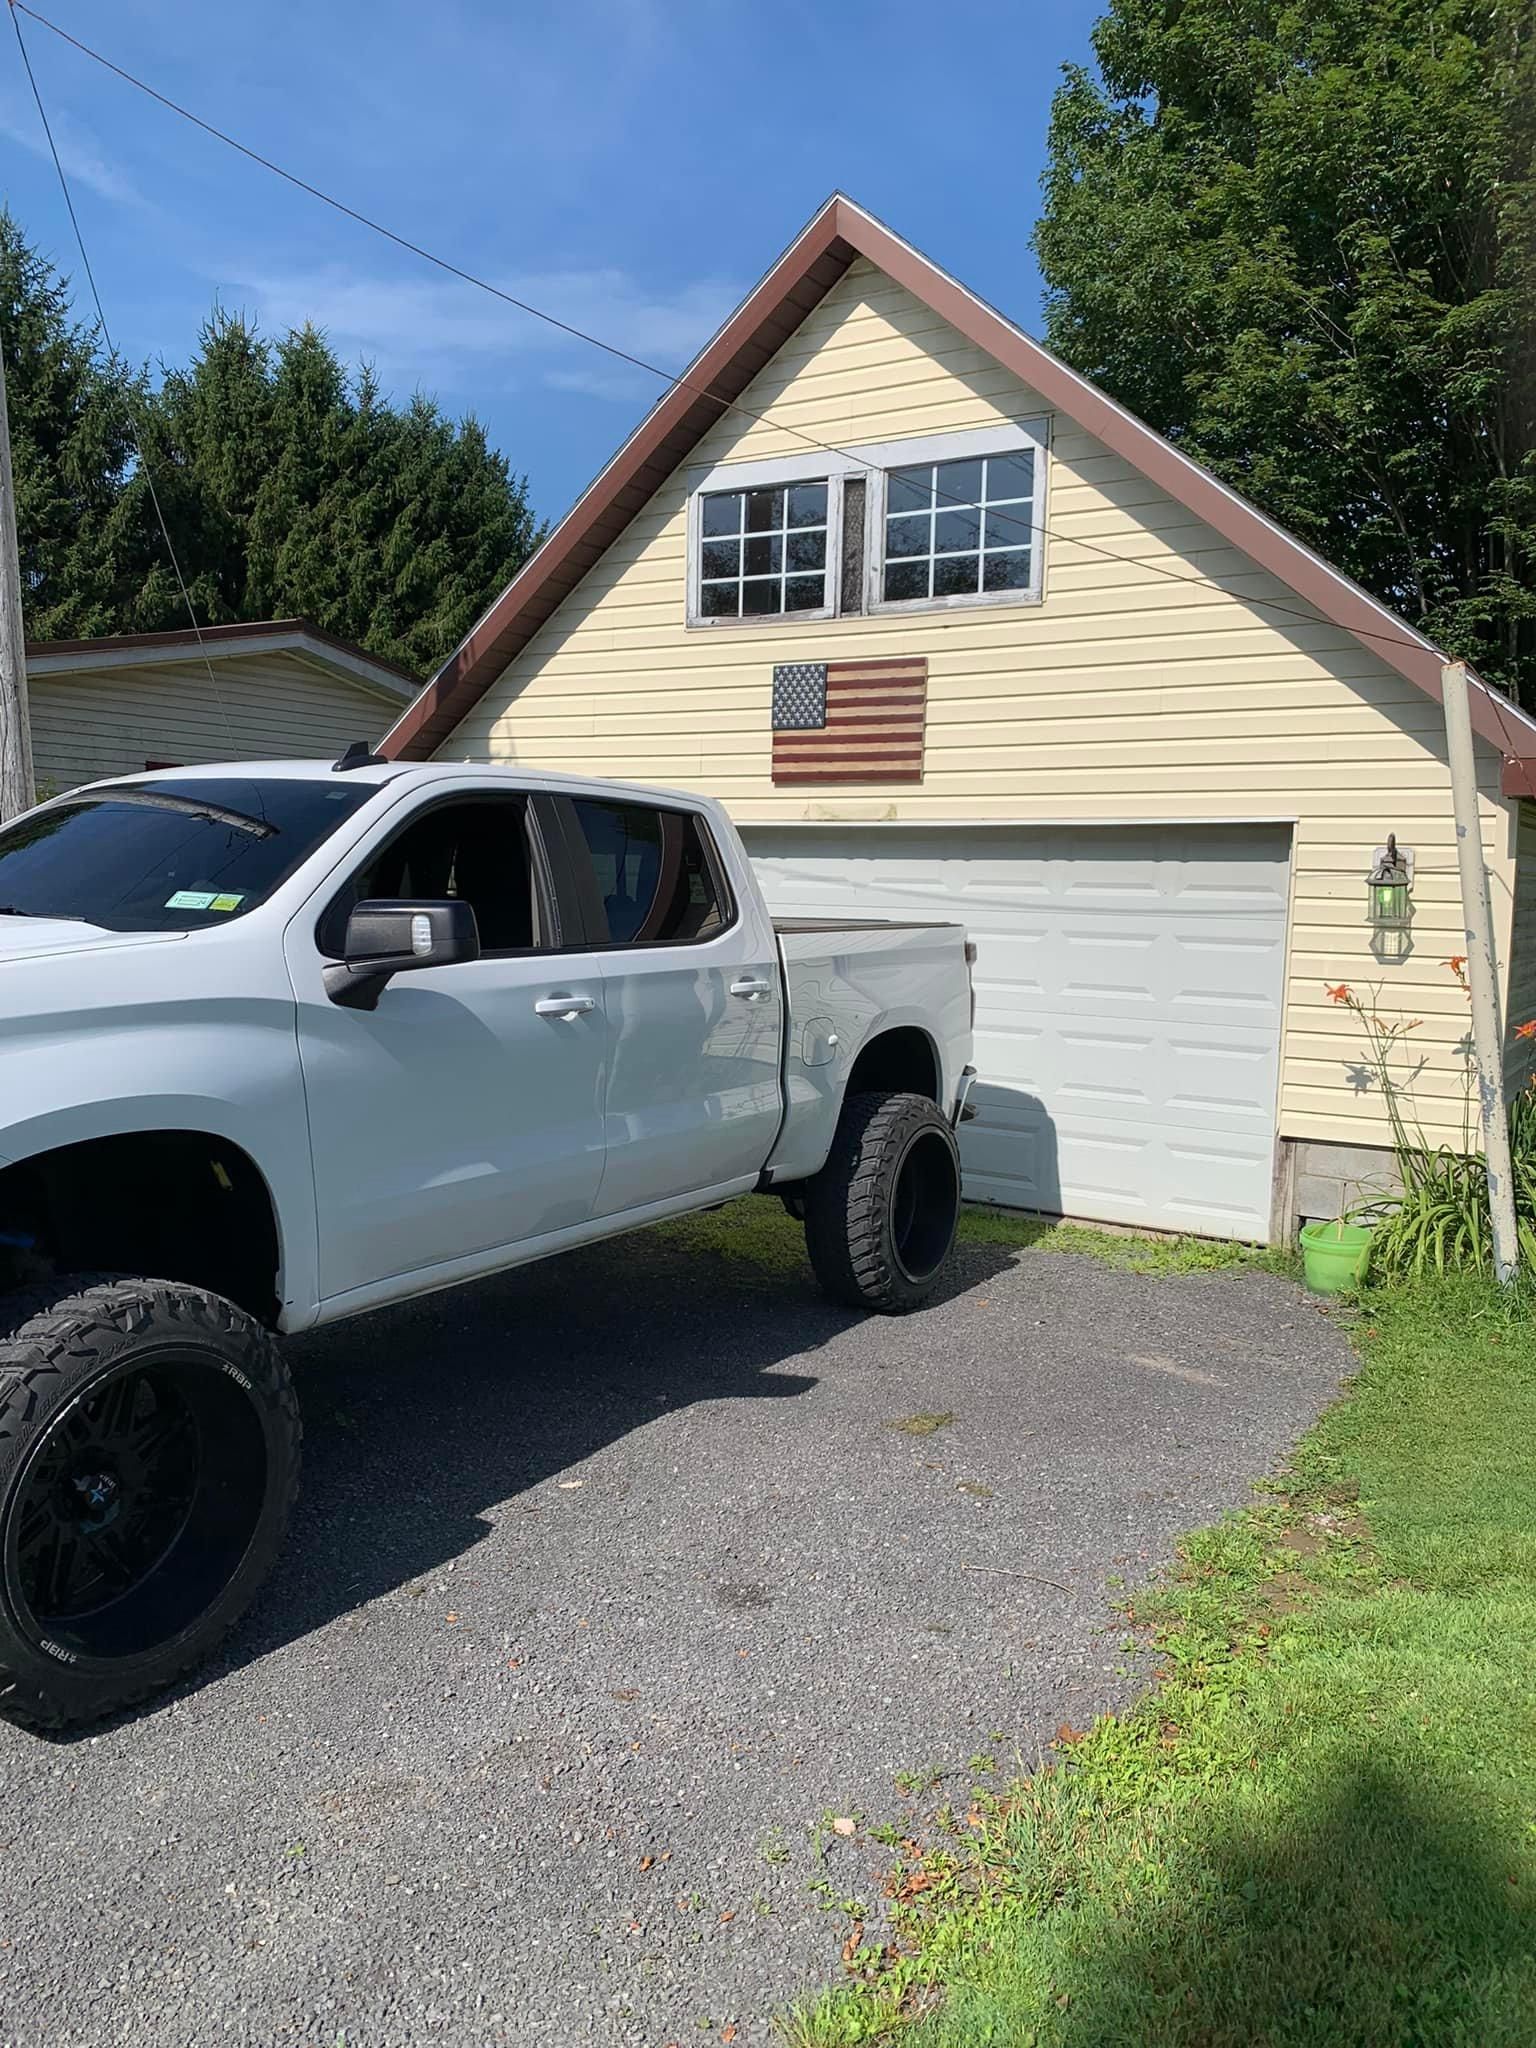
<point x="763" y="552"/>
<point x="924" y="522"/>
<point x="960" y="529"/>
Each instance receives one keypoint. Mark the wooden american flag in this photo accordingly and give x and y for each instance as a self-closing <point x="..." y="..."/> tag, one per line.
<point x="849" y="721"/>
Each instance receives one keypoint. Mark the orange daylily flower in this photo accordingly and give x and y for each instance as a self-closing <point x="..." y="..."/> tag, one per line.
<point x="1339" y="994"/>
<point x="1456" y="962"/>
<point x="1526" y="1030"/>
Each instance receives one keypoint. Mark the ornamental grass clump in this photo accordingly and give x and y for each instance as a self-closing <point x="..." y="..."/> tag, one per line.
<point x="1438" y="1220"/>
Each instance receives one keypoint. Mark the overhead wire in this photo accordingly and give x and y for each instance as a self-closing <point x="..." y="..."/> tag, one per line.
<point x="128" y="408"/>
<point x="670" y="378"/>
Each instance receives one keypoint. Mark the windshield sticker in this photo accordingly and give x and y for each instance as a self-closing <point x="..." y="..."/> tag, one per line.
<point x="190" y="899"/>
<point x="232" y="902"/>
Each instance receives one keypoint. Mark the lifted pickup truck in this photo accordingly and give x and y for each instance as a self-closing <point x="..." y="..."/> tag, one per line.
<point x="286" y="1041"/>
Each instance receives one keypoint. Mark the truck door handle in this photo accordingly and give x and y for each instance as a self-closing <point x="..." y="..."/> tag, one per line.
<point x="752" y="988"/>
<point x="565" y="1007"/>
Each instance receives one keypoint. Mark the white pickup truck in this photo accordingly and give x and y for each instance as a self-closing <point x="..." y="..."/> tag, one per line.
<point x="282" y="1042"/>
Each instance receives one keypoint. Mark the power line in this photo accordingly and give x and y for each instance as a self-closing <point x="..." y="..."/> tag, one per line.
<point x="128" y="409"/>
<point x="443" y="263"/>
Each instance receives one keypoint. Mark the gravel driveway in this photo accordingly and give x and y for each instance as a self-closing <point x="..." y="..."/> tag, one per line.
<point x="611" y="1579"/>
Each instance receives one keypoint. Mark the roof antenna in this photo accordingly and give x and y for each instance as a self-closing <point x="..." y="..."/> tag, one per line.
<point x="358" y="755"/>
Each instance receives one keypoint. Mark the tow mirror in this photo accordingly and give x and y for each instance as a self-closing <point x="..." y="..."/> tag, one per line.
<point x="387" y="936"/>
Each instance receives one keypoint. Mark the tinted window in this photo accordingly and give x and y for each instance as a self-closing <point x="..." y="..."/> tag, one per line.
<point x="475" y="850"/>
<point x="168" y="856"/>
<point x="653" y="872"/>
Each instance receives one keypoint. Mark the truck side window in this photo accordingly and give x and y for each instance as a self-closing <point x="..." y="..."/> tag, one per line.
<point x="475" y="849"/>
<point x="655" y="873"/>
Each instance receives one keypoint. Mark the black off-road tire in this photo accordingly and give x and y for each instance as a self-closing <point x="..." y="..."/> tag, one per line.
<point x="880" y="1216"/>
<point x="173" y="1366"/>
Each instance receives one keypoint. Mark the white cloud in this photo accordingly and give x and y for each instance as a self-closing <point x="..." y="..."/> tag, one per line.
<point x="80" y="154"/>
<point x="447" y="335"/>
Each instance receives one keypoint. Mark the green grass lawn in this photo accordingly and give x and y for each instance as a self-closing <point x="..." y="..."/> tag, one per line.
<point x="760" y="1233"/>
<point x="1320" y="1827"/>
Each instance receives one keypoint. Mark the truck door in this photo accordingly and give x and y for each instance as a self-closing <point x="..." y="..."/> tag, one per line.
<point x="465" y="1112"/>
<point x="692" y="996"/>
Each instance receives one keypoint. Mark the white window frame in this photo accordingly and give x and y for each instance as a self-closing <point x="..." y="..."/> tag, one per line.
<point x="1004" y="440"/>
<point x="770" y="474"/>
<point x="871" y="462"/>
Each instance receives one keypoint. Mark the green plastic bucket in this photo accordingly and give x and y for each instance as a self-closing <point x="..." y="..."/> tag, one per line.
<point x="1334" y="1255"/>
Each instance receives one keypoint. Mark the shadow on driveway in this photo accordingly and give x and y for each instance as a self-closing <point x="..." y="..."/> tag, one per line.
<point x="421" y="1420"/>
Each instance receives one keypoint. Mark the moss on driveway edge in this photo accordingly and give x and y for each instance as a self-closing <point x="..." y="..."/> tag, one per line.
<point x="1320" y="1827"/>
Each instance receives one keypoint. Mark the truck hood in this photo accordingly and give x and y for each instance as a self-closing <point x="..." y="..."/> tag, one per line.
<point x="24" y="938"/>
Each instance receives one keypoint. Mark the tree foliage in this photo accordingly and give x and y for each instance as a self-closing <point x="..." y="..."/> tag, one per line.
<point x="70" y="451"/>
<point x="1299" y="238"/>
<point x="289" y="486"/>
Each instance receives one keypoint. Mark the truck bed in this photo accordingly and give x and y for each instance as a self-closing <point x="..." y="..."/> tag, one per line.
<point x="843" y="977"/>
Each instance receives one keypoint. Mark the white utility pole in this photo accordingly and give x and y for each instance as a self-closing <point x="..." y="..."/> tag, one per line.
<point x="1482" y="970"/>
<point x="16" y="793"/>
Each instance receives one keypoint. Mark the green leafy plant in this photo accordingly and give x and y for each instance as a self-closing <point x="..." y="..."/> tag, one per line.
<point x="1438" y="1220"/>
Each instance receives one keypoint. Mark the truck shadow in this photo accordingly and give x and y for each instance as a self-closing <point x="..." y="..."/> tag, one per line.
<point x="421" y="1421"/>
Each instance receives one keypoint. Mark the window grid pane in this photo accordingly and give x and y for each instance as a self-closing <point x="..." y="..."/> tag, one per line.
<point x="958" y="529"/>
<point x="763" y="551"/>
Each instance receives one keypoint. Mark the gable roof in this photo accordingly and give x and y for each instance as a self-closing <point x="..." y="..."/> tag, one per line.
<point x="299" y="637"/>
<point x="721" y="372"/>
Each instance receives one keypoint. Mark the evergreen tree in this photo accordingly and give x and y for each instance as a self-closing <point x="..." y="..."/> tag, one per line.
<point x="293" y="559"/>
<point x="210" y="444"/>
<point x="1301" y="242"/>
<point x="287" y="487"/>
<point x="71" y="450"/>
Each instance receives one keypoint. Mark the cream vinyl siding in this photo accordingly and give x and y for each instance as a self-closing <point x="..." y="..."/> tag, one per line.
<point x="1121" y="696"/>
<point x="1520" y="1053"/>
<point x="110" y="721"/>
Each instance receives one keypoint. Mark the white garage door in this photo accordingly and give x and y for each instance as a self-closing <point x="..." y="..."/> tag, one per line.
<point x="1128" y="994"/>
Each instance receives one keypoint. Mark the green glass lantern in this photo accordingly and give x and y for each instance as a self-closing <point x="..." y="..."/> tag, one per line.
<point x="1388" y="887"/>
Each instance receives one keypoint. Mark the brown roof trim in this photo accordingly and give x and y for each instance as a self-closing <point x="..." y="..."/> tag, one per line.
<point x="798" y="281"/>
<point x="182" y="639"/>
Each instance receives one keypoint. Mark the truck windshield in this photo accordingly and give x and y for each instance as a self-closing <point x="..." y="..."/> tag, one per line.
<point x="167" y="856"/>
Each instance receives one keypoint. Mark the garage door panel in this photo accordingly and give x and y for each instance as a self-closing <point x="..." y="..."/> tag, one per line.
<point x="1128" y="999"/>
<point x="1115" y="1173"/>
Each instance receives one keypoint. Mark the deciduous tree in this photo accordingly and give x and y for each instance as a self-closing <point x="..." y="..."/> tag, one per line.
<point x="1299" y="238"/>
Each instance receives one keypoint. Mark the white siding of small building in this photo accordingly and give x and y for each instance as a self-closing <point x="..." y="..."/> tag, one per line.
<point x="110" y="721"/>
<point x="1126" y="695"/>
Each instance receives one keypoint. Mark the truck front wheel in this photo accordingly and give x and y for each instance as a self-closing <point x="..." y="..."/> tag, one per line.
<point x="149" y="1457"/>
<point x="880" y="1216"/>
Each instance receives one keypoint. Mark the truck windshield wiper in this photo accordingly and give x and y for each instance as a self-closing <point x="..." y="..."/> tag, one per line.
<point x="57" y="916"/>
<point x="191" y="807"/>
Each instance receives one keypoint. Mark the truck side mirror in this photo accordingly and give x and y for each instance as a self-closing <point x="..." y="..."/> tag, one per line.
<point x="387" y="936"/>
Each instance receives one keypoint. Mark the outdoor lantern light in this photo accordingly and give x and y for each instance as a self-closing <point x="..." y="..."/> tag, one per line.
<point x="1388" y="886"/>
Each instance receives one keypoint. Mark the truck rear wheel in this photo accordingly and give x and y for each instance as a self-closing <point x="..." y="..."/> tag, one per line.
<point x="149" y="1457"/>
<point x="880" y="1216"/>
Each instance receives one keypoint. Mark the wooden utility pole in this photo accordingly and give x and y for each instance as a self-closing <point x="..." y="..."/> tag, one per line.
<point x="1482" y="971"/>
<point x="16" y="792"/>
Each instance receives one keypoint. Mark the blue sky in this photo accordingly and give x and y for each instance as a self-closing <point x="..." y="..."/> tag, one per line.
<point x="633" y="165"/>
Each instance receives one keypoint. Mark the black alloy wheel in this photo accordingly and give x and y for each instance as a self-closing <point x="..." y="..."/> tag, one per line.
<point x="148" y="1459"/>
<point x="880" y="1216"/>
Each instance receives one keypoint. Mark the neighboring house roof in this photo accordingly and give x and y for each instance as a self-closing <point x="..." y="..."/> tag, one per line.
<point x="717" y="377"/>
<point x="262" y="636"/>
